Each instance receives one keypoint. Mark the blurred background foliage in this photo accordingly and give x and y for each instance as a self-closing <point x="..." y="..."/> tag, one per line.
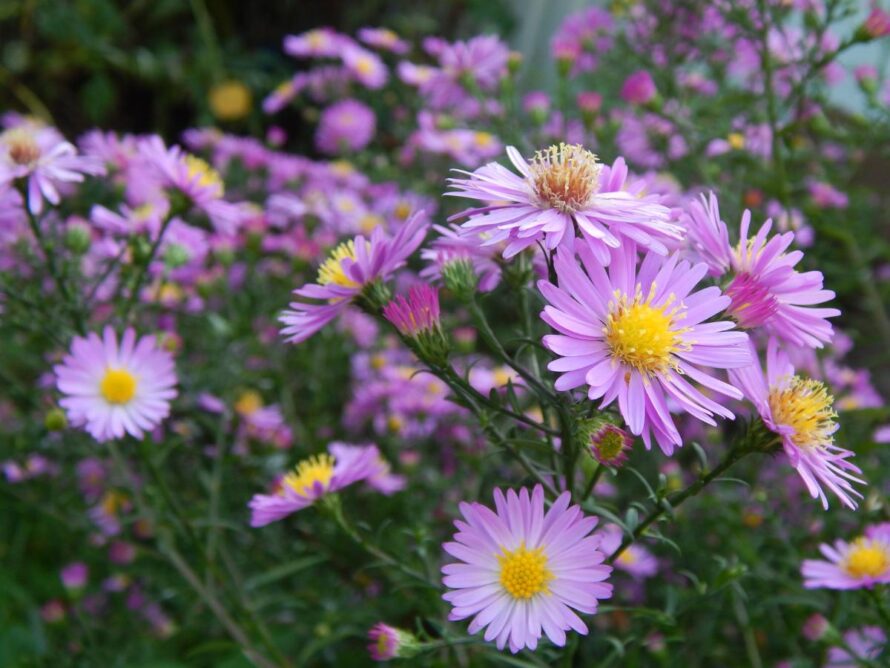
<point x="150" y="65"/>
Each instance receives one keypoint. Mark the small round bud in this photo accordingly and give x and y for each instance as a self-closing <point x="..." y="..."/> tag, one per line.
<point x="55" y="420"/>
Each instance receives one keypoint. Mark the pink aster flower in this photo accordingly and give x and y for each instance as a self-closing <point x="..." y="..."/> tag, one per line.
<point x="345" y="127"/>
<point x="638" y="88"/>
<point x="195" y="179"/>
<point x="384" y="39"/>
<point x="635" y="559"/>
<point x="112" y="388"/>
<point x="417" y="313"/>
<point x="313" y="478"/>
<point x="45" y="159"/>
<point x="521" y="571"/>
<point x="766" y="291"/>
<point x="365" y="66"/>
<point x="351" y="267"/>
<point x="860" y="564"/>
<point x="388" y="642"/>
<point x="562" y="188"/>
<point x="610" y="445"/>
<point x="865" y="644"/>
<point x="74" y="575"/>
<point x="324" y="42"/>
<point x="639" y="335"/>
<point x="800" y="411"/>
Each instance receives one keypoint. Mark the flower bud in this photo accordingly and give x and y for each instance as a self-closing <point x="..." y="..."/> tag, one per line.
<point x="388" y="642"/>
<point x="55" y="420"/>
<point x="460" y="278"/>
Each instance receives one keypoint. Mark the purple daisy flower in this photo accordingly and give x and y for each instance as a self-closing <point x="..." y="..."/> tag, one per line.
<point x="45" y="159"/>
<point x="800" y="411"/>
<point x="522" y="571"/>
<point x="864" y="644"/>
<point x="313" y="478"/>
<point x="345" y="127"/>
<point x="113" y="389"/>
<point x="194" y="178"/>
<point x="637" y="334"/>
<point x="352" y="266"/>
<point x="861" y="564"/>
<point x="766" y="291"/>
<point x="561" y="188"/>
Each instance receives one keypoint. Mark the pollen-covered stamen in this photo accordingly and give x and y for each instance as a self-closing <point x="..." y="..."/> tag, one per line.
<point x="118" y="386"/>
<point x="332" y="272"/>
<point x="752" y="304"/>
<point x="21" y="146"/>
<point x="642" y="335"/>
<point x="204" y="174"/>
<point x="867" y="558"/>
<point x="565" y="176"/>
<point x="804" y="405"/>
<point x="318" y="469"/>
<point x="524" y="572"/>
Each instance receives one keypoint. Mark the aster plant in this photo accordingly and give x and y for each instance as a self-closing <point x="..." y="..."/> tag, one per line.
<point x="286" y="400"/>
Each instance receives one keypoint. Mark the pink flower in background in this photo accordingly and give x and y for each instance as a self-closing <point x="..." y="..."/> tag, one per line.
<point x="351" y="267"/>
<point x="522" y="572"/>
<point x="799" y="411"/>
<point x="637" y="334"/>
<point x="75" y="575"/>
<point x="865" y="644"/>
<point x="826" y="195"/>
<point x="313" y="478"/>
<point x="635" y="559"/>
<point x="862" y="563"/>
<point x="638" y="88"/>
<point x="345" y="127"/>
<point x="113" y="389"/>
<point x="384" y="39"/>
<point x="46" y="160"/>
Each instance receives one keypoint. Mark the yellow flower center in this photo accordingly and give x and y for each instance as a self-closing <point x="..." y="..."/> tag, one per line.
<point x="628" y="558"/>
<point x="565" y="177"/>
<point x="369" y="222"/>
<point x="230" y="100"/>
<point x="524" y="572"/>
<point x="118" y="386"/>
<point x="383" y="644"/>
<point x="364" y="65"/>
<point x="206" y="176"/>
<point x="394" y="423"/>
<point x="315" y="469"/>
<point x="736" y="140"/>
<point x="483" y="139"/>
<point x="249" y="402"/>
<point x="804" y="405"/>
<point x="331" y="271"/>
<point x="22" y="147"/>
<point x="866" y="558"/>
<point x="642" y="335"/>
<point x="402" y="210"/>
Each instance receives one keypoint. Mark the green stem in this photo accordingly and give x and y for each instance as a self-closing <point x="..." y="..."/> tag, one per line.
<point x="733" y="456"/>
<point x="53" y="268"/>
<point x="332" y="503"/>
<point x="143" y="269"/>
<point x="167" y="548"/>
<point x="594" y="478"/>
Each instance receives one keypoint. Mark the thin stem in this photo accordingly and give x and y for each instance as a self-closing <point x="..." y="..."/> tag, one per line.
<point x="143" y="270"/>
<point x="675" y="500"/>
<point x="53" y="268"/>
<point x="333" y="504"/>
<point x="594" y="478"/>
<point x="880" y="606"/>
<point x="168" y="550"/>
